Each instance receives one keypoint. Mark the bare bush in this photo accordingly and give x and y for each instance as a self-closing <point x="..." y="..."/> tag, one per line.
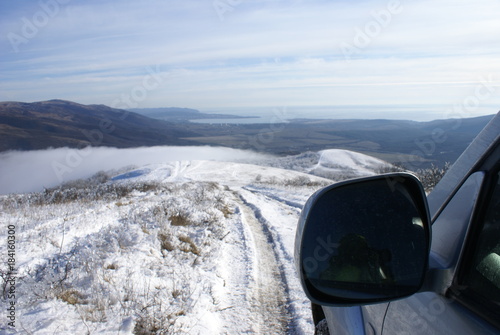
<point x="431" y="176"/>
<point x="391" y="168"/>
<point x="302" y="181"/>
<point x="80" y="191"/>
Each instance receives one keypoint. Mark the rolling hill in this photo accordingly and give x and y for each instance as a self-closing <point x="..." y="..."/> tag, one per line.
<point x="59" y="123"/>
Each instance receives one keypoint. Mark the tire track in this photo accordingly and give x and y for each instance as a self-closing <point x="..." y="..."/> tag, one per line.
<point x="267" y="292"/>
<point x="264" y="209"/>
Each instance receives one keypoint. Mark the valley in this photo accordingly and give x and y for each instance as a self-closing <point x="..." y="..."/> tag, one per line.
<point x="58" y="123"/>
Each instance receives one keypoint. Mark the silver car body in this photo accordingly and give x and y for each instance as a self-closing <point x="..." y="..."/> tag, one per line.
<point x="452" y="204"/>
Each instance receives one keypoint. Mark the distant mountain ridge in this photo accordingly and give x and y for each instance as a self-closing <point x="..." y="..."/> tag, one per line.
<point x="59" y="123"/>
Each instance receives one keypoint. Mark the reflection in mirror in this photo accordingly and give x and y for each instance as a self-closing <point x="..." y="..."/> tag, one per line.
<point x="355" y="261"/>
<point x="366" y="240"/>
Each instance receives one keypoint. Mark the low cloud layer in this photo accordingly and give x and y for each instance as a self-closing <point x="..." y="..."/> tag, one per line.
<point x="31" y="171"/>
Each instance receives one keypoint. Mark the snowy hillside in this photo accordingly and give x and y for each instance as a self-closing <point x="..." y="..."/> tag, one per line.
<point x="340" y="164"/>
<point x="184" y="247"/>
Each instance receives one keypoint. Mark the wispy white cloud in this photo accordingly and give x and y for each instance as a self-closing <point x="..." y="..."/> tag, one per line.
<point x="262" y="52"/>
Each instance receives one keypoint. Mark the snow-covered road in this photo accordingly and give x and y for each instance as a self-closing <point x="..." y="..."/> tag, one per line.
<point x="265" y="293"/>
<point x="268" y="213"/>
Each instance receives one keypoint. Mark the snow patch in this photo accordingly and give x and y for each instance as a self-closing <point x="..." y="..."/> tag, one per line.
<point x="342" y="164"/>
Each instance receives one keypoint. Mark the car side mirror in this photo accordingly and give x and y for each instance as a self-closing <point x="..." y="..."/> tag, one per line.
<point x="364" y="241"/>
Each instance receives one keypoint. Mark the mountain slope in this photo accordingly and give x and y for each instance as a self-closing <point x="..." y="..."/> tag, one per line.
<point x="191" y="246"/>
<point x="58" y="123"/>
<point x="349" y="164"/>
<point x="170" y="248"/>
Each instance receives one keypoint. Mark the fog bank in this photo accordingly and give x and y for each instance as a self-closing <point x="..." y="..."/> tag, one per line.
<point x="32" y="171"/>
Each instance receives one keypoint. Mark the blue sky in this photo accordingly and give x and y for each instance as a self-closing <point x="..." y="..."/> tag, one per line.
<point x="207" y="54"/>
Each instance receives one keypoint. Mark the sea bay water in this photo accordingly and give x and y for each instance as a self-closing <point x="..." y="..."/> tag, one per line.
<point x="391" y="112"/>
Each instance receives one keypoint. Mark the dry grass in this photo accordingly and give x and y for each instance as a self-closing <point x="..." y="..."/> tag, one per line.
<point x="71" y="297"/>
<point x="189" y="245"/>
<point x="180" y="220"/>
<point x="165" y="241"/>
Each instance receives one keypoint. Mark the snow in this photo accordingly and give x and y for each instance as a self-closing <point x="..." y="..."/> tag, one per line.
<point x="184" y="247"/>
<point x="349" y="159"/>
<point x="346" y="163"/>
<point x="32" y="171"/>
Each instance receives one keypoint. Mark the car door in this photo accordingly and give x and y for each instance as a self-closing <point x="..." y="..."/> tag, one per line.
<point x="466" y="297"/>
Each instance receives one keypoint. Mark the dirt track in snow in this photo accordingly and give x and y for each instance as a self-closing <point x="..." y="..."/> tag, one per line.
<point x="266" y="294"/>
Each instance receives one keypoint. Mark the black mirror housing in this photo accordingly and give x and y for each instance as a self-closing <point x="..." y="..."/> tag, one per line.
<point x="364" y="241"/>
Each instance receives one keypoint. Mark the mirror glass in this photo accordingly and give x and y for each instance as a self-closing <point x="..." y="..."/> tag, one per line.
<point x="365" y="241"/>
